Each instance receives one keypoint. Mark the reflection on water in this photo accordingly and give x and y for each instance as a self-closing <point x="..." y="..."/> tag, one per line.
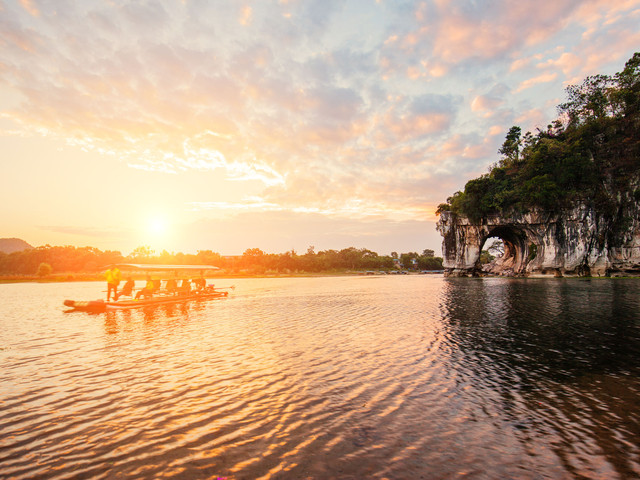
<point x="563" y="357"/>
<point x="376" y="377"/>
<point x="564" y="327"/>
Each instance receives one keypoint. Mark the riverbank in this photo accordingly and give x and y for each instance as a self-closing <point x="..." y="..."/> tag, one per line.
<point x="89" y="277"/>
<point x="99" y="277"/>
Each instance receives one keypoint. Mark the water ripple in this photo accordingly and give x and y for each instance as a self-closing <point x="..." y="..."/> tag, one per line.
<point x="327" y="378"/>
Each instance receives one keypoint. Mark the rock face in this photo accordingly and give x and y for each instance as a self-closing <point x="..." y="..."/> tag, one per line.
<point x="575" y="242"/>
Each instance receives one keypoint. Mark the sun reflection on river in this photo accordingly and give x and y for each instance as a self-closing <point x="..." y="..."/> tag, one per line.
<point x="326" y="378"/>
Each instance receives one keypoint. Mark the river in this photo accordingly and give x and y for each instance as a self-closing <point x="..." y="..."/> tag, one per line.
<point x="399" y="377"/>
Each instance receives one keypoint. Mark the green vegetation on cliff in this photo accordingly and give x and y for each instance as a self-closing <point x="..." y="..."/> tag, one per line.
<point x="590" y="154"/>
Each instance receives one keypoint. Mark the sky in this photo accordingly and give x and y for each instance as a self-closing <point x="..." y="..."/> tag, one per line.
<point x="188" y="125"/>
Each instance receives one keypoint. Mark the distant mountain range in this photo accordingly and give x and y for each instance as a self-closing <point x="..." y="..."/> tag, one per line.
<point x="10" y="245"/>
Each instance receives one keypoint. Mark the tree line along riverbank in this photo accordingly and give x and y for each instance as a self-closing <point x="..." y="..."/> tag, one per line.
<point x="69" y="263"/>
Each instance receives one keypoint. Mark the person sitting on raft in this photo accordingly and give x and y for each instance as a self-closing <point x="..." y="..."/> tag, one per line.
<point x="127" y="289"/>
<point x="148" y="289"/>
<point x="185" y="287"/>
<point x="172" y="286"/>
<point x="200" y="283"/>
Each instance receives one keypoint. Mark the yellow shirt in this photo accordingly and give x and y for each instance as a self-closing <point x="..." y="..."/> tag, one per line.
<point x="113" y="276"/>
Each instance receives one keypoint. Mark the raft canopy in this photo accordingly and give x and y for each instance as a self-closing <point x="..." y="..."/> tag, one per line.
<point x="157" y="267"/>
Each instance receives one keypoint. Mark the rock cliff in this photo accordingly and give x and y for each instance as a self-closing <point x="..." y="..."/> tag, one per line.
<point x="575" y="242"/>
<point x="578" y="183"/>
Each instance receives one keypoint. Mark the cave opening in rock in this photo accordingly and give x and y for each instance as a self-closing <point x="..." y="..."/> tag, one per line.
<point x="502" y="250"/>
<point x="493" y="248"/>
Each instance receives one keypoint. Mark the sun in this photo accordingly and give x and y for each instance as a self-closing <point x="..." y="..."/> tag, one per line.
<point x="156" y="229"/>
<point x="157" y="226"/>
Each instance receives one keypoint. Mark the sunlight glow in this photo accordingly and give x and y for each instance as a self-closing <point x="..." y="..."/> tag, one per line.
<point x="157" y="226"/>
<point x="274" y="114"/>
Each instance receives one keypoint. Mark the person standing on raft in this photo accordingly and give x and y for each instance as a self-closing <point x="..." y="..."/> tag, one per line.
<point x="113" y="280"/>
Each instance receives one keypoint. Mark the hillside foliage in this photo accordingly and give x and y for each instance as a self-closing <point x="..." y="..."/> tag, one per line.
<point x="590" y="154"/>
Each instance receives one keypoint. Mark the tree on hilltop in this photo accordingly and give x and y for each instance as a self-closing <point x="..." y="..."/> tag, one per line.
<point x="589" y="154"/>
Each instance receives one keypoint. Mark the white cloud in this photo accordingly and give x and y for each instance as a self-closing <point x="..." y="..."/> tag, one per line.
<point x="386" y="117"/>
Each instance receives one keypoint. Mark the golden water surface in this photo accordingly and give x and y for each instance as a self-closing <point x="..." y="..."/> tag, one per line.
<point x="326" y="378"/>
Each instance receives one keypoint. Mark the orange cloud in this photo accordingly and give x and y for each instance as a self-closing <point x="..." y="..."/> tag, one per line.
<point x="29" y="6"/>
<point x="542" y="78"/>
<point x="485" y="103"/>
<point x="531" y="119"/>
<point x="246" y="15"/>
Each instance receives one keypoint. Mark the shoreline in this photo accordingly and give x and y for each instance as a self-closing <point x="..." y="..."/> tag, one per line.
<point x="87" y="277"/>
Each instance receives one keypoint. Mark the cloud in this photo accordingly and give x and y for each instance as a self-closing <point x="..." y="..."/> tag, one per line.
<point x="16" y="40"/>
<point x="414" y="118"/>
<point x="531" y="119"/>
<point x="486" y="103"/>
<point x="245" y="16"/>
<point x="496" y="130"/>
<point x="542" y="78"/>
<point x="465" y="37"/>
<point x="385" y="120"/>
<point x="332" y="103"/>
<point x="147" y="17"/>
<point x="456" y="33"/>
<point x="29" y="6"/>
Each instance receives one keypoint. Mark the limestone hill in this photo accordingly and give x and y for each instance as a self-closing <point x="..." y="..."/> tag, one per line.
<point x="10" y="245"/>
